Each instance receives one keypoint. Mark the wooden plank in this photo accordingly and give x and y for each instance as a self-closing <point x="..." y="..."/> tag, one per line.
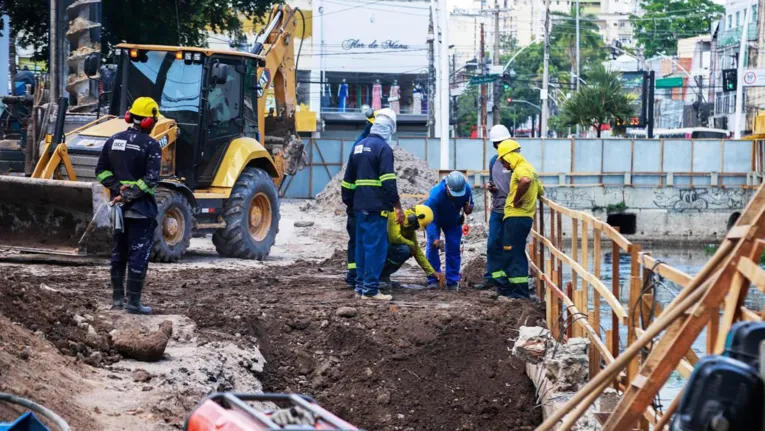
<point x="548" y="299"/>
<point x="739" y="231"/>
<point x="713" y="330"/>
<point x="569" y="311"/>
<point x="752" y="272"/>
<point x="634" y="297"/>
<point x="738" y="291"/>
<point x="674" y="275"/>
<point x="613" y="301"/>
<point x="596" y="223"/>
<point x="559" y="245"/>
<point x="615" y="290"/>
<point x="585" y="246"/>
<point x="664" y="359"/>
<point x="574" y="250"/>
<point x="749" y="315"/>
<point x="595" y="293"/>
<point x="596" y="341"/>
<point x="685" y="368"/>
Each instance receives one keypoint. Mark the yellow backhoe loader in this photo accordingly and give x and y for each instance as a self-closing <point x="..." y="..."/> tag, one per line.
<point x="222" y="158"/>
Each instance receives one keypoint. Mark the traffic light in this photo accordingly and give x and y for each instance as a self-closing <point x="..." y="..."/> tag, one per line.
<point x="730" y="80"/>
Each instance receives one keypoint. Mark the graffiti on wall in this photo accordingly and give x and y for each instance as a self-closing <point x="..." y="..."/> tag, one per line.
<point x="584" y="198"/>
<point x="681" y="200"/>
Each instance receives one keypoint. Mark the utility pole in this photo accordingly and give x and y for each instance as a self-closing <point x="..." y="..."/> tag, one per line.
<point x="431" y="78"/>
<point x="740" y="78"/>
<point x="482" y="129"/>
<point x="545" y="74"/>
<point x="496" y="117"/>
<point x="443" y="65"/>
<point x="576" y="78"/>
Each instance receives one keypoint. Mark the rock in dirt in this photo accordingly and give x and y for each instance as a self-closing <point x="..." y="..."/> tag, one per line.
<point x="303" y="223"/>
<point x="413" y="177"/>
<point x="141" y="376"/>
<point x="473" y="271"/>
<point x="531" y="344"/>
<point x="346" y="312"/>
<point x="568" y="370"/>
<point x="134" y="343"/>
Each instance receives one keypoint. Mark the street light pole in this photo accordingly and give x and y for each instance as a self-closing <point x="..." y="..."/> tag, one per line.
<point x="577" y="44"/>
<point x="545" y="74"/>
<point x="740" y="74"/>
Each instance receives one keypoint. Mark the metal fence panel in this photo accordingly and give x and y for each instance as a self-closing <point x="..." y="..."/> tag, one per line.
<point x="588" y="156"/>
<point x="470" y="154"/>
<point x="646" y="158"/>
<point x="617" y="157"/>
<point x="677" y="158"/>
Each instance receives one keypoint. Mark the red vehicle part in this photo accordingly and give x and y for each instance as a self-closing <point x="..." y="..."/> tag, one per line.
<point x="231" y="412"/>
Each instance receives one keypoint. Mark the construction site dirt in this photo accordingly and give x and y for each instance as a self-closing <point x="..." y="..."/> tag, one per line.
<point x="430" y="360"/>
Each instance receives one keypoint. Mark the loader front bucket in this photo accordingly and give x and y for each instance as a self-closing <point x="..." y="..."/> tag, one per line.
<point x="54" y="216"/>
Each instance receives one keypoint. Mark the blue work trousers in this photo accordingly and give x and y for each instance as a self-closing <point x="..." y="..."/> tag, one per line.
<point x="350" y="227"/>
<point x="515" y="230"/>
<point x="452" y="237"/>
<point x="494" y="271"/>
<point x="132" y="246"/>
<point x="371" y="251"/>
<point x="397" y="255"/>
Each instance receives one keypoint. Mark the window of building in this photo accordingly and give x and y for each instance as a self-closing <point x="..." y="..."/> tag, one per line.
<point x="754" y="14"/>
<point x="730" y="21"/>
<point x="738" y="19"/>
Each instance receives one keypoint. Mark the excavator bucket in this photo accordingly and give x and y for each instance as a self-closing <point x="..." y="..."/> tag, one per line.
<point x="54" y="217"/>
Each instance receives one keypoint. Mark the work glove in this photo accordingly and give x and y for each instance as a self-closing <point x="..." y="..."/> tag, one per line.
<point x="468" y="209"/>
<point x="131" y="193"/>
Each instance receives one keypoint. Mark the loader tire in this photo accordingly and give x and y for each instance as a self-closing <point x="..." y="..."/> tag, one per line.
<point x="173" y="233"/>
<point x="252" y="217"/>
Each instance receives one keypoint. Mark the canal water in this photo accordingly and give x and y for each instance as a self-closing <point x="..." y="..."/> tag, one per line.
<point x="689" y="260"/>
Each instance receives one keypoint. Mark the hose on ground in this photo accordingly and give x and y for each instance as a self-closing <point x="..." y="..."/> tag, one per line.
<point x="42" y="411"/>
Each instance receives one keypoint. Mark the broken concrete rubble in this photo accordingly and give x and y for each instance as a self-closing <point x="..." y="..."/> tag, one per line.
<point x="558" y="371"/>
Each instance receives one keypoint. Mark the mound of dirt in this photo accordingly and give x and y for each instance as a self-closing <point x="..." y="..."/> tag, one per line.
<point x="473" y="272"/>
<point x="413" y="177"/>
<point x="63" y="316"/>
<point x="137" y="344"/>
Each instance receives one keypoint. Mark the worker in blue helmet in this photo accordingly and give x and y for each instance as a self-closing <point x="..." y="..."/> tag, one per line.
<point x="451" y="200"/>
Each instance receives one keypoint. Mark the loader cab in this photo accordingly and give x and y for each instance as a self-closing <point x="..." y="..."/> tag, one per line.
<point x="208" y="94"/>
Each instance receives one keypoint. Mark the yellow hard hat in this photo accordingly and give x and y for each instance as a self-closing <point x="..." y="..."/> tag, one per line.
<point x="506" y="147"/>
<point x="424" y="215"/>
<point x="145" y="107"/>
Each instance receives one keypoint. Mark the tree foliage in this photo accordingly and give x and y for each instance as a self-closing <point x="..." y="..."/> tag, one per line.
<point x="30" y="20"/>
<point x="169" y="22"/>
<point x="666" y="21"/>
<point x="600" y="102"/>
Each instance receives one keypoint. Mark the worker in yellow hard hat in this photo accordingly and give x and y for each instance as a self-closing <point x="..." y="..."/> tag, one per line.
<point x="129" y="167"/>
<point x="520" y="207"/>
<point x="402" y="242"/>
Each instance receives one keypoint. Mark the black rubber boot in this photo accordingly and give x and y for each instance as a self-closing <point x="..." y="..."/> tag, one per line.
<point x="118" y="288"/>
<point x="134" y="289"/>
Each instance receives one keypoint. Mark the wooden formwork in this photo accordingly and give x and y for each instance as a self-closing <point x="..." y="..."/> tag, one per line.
<point x="721" y="285"/>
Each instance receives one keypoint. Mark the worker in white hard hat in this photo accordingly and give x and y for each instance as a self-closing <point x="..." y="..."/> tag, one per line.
<point x="499" y="186"/>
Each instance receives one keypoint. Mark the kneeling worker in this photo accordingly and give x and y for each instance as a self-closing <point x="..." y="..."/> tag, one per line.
<point x="129" y="167"/>
<point x="402" y="241"/>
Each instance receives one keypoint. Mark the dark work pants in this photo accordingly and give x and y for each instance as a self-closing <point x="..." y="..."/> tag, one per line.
<point x="397" y="255"/>
<point x="515" y="230"/>
<point x="495" y="274"/>
<point x="371" y="251"/>
<point x="350" y="227"/>
<point x="132" y="247"/>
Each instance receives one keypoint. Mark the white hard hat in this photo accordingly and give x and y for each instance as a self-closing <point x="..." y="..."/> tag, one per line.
<point x="386" y="112"/>
<point x="499" y="133"/>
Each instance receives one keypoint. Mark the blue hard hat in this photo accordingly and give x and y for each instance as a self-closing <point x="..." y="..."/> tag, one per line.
<point x="456" y="183"/>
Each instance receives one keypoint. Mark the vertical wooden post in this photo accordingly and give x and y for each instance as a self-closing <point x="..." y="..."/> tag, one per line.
<point x="713" y="330"/>
<point x="542" y="261"/>
<point x="635" y="289"/>
<point x="574" y="250"/>
<point x="570" y="294"/>
<point x="615" y="290"/>
<point x="559" y="245"/>
<point x="549" y="301"/>
<point x="586" y="265"/>
<point x="594" y="316"/>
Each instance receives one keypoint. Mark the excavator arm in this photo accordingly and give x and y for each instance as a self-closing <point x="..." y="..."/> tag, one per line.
<point x="279" y="127"/>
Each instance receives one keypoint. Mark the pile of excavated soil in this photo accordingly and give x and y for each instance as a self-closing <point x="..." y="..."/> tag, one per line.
<point x="473" y="272"/>
<point x="64" y="316"/>
<point x="413" y="177"/>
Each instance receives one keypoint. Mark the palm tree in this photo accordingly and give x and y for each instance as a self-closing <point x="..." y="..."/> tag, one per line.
<point x="602" y="101"/>
<point x="563" y="35"/>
